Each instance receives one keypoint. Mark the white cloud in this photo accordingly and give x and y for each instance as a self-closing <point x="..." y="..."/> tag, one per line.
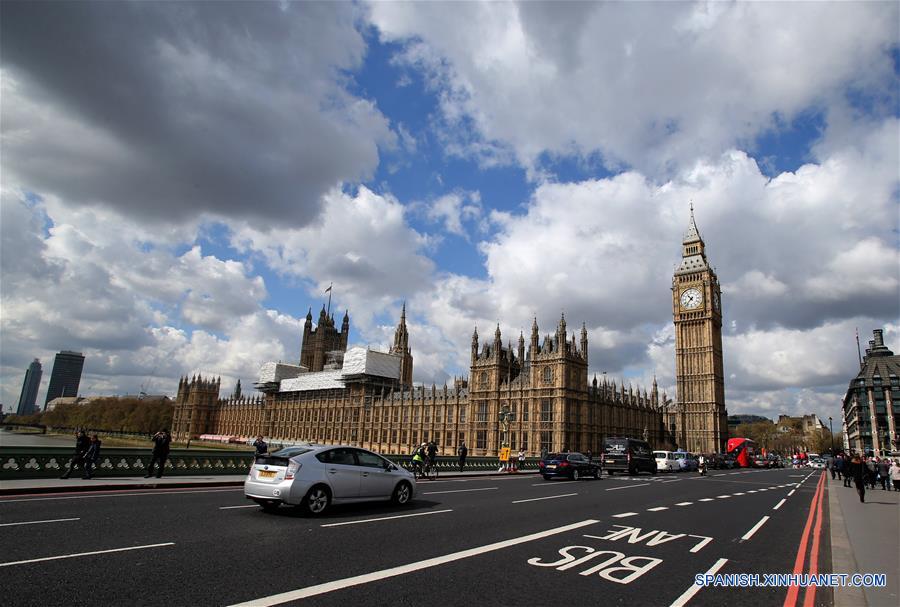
<point x="649" y="85"/>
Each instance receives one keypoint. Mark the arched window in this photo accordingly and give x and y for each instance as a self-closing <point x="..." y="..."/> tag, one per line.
<point x="484" y="378"/>
<point x="548" y="375"/>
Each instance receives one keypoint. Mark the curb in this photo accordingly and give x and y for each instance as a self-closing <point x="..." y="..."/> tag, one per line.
<point x="187" y="484"/>
<point x="130" y="486"/>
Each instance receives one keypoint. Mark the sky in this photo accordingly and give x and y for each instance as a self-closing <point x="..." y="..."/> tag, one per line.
<point x="182" y="181"/>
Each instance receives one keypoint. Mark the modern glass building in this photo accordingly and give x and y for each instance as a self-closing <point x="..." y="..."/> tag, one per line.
<point x="28" y="397"/>
<point x="66" y="375"/>
<point x="871" y="406"/>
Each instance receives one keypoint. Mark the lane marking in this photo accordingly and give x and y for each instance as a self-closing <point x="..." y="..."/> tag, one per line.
<point x="628" y="486"/>
<point x="546" y="497"/>
<point x="624" y="515"/>
<point x="723" y="474"/>
<point x="723" y="497"/>
<point x="780" y="504"/>
<point x="551" y="483"/>
<point x="293" y="595"/>
<point x="694" y="588"/>
<point x="459" y="490"/>
<point x="702" y="544"/>
<point x="124" y="493"/>
<point x="71" y="556"/>
<point x="810" y="597"/>
<point x="706" y="499"/>
<point x="741" y="493"/>
<point x="751" y="491"/>
<point x="385" y="518"/>
<point x="763" y="489"/>
<point x="675" y="480"/>
<point x="684" y="503"/>
<point x="53" y="520"/>
<point x="791" y="492"/>
<point x="793" y="591"/>
<point x="733" y="473"/>
<point x="234" y="507"/>
<point x="755" y="528"/>
<point x="657" y="509"/>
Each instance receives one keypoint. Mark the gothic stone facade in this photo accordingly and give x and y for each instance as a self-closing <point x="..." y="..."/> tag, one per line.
<point x="700" y="420"/>
<point x="554" y="406"/>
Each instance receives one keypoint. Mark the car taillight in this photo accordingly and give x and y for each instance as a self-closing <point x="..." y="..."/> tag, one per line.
<point x="292" y="470"/>
<point x="564" y="464"/>
<point x="541" y="463"/>
<point x="628" y="455"/>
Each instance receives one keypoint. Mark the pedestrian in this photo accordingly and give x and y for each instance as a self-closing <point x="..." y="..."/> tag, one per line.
<point x="82" y="442"/>
<point x="261" y="447"/>
<point x="839" y="466"/>
<point x="895" y="474"/>
<point x="431" y="449"/>
<point x="462" y="452"/>
<point x="847" y="473"/>
<point x="521" y="458"/>
<point x="830" y="466"/>
<point x="884" y="473"/>
<point x="161" y="441"/>
<point x="91" y="456"/>
<point x="871" y="471"/>
<point x="858" y="473"/>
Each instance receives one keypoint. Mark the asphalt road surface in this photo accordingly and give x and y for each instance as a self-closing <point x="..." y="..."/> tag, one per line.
<point x="505" y="540"/>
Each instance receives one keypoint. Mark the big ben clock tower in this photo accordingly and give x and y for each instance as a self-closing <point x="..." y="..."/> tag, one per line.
<point x="701" y="423"/>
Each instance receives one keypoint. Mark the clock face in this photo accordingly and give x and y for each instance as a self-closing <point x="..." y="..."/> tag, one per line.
<point x="691" y="298"/>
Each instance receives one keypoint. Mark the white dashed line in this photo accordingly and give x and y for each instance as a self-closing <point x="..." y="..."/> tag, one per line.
<point x="739" y="493"/>
<point x="657" y="509"/>
<point x="236" y="507"/>
<point x="780" y="504"/>
<point x="624" y="515"/>
<point x="694" y="588"/>
<point x="552" y="483"/>
<point x="71" y="556"/>
<point x="723" y="497"/>
<point x="763" y="489"/>
<point x="547" y="497"/>
<point x="674" y="480"/>
<point x="723" y="474"/>
<point x="755" y="528"/>
<point x="628" y="487"/>
<point x="684" y="503"/>
<point x="752" y="491"/>
<point x="706" y="499"/>
<point x="459" y="490"/>
<point x="791" y="492"/>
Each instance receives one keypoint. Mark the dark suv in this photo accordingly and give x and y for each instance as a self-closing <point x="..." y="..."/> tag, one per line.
<point x="570" y="465"/>
<point x="629" y="455"/>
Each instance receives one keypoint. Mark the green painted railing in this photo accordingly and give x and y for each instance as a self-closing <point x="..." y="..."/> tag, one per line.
<point x="51" y="462"/>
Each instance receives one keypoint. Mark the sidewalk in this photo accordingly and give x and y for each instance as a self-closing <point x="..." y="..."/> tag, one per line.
<point x="865" y="538"/>
<point x="58" y="485"/>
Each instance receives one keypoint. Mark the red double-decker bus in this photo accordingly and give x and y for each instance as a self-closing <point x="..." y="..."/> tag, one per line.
<point x="743" y="450"/>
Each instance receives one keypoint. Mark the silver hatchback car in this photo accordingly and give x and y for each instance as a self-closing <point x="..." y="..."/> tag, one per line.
<point x="315" y="477"/>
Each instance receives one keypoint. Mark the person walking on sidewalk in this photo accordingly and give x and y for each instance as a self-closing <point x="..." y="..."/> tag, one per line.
<point x="848" y="462"/>
<point x="81" y="446"/>
<point x="839" y="466"/>
<point x="462" y="452"/>
<point x="521" y="463"/>
<point x="161" y="441"/>
<point x="858" y="473"/>
<point x="92" y="456"/>
<point x="871" y="471"/>
<point x="884" y="473"/>
<point x="895" y="474"/>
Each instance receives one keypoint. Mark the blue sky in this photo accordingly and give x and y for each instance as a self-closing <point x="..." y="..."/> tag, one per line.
<point x="192" y="194"/>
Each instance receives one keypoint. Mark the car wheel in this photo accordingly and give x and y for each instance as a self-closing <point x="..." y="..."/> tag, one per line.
<point x="632" y="472"/>
<point x="609" y="472"/>
<point x="317" y="500"/>
<point x="575" y="475"/>
<point x="402" y="493"/>
<point x="654" y="470"/>
<point x="596" y="473"/>
<point x="546" y="477"/>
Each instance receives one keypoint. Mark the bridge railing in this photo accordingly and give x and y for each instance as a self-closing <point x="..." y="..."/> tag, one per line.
<point x="51" y="462"/>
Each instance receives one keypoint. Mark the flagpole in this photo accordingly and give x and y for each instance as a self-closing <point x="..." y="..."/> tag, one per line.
<point x="328" y="313"/>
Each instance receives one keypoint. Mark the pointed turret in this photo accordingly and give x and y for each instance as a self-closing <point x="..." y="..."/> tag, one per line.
<point x="475" y="345"/>
<point x="584" y="342"/>
<point x="521" y="348"/>
<point x="693" y="251"/>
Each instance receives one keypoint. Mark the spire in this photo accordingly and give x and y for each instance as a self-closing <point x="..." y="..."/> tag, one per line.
<point x="309" y="316"/>
<point x="693" y="234"/>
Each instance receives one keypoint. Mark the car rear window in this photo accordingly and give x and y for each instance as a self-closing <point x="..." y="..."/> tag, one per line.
<point x="291" y="451"/>
<point x="559" y="456"/>
<point x="618" y="446"/>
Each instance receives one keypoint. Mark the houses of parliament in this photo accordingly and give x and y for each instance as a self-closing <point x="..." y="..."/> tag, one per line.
<point x="534" y="395"/>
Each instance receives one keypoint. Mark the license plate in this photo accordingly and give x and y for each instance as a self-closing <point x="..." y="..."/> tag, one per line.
<point x="267" y="474"/>
<point x="552" y="466"/>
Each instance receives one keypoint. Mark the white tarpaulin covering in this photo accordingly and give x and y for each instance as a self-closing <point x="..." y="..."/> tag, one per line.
<point x="273" y="372"/>
<point x="357" y="361"/>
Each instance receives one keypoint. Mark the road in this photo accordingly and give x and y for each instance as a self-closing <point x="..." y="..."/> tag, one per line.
<point x="506" y="540"/>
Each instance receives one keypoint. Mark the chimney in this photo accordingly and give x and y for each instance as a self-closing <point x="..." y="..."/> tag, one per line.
<point x="879" y="337"/>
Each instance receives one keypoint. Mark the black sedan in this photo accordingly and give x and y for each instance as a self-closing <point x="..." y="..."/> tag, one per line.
<point x="569" y="465"/>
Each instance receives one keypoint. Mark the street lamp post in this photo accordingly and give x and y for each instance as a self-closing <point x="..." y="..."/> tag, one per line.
<point x="505" y="417"/>
<point x="831" y="430"/>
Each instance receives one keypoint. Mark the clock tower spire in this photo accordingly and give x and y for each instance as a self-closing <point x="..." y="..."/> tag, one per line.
<point x="701" y="422"/>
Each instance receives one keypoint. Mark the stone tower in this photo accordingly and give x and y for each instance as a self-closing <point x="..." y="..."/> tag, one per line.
<point x="401" y="347"/>
<point x="322" y="340"/>
<point x="195" y="406"/>
<point x="701" y="419"/>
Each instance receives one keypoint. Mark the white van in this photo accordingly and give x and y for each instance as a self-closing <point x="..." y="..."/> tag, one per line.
<point x="666" y="461"/>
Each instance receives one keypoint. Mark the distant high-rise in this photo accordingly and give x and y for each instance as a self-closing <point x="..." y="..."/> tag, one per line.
<point x="28" y="397"/>
<point x="66" y="375"/>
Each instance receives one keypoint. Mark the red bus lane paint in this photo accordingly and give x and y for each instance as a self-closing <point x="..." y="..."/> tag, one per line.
<point x="791" y="599"/>
<point x="810" y="597"/>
